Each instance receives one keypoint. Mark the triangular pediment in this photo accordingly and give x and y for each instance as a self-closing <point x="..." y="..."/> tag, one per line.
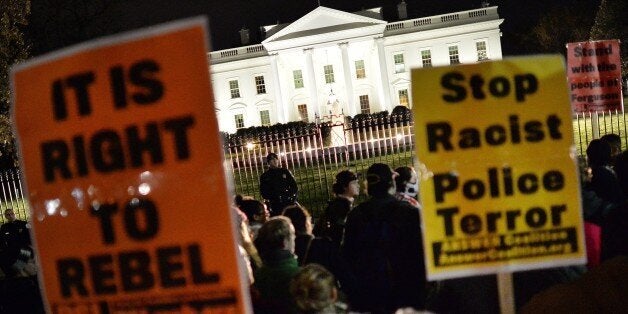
<point x="322" y="21"/>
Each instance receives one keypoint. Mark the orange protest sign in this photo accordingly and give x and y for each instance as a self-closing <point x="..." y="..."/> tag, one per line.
<point x="120" y="148"/>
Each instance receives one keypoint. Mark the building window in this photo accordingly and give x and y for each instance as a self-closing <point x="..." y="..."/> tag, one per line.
<point x="403" y="97"/>
<point x="302" y="108"/>
<point x="298" y="78"/>
<point x="480" y="46"/>
<point x="239" y="120"/>
<point x="329" y="73"/>
<point x="399" y="65"/>
<point x="453" y="55"/>
<point x="365" y="107"/>
<point x="260" y="86"/>
<point x="359" y="69"/>
<point x="234" y="88"/>
<point x="264" y="117"/>
<point x="426" y="58"/>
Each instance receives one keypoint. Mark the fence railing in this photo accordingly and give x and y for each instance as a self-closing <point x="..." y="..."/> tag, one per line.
<point x="12" y="194"/>
<point x="315" y="158"/>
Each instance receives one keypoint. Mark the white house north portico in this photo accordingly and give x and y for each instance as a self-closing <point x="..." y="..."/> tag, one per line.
<point x="331" y="62"/>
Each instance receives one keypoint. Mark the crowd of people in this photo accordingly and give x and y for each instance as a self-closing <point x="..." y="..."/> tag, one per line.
<point x="364" y="258"/>
<point x="368" y="257"/>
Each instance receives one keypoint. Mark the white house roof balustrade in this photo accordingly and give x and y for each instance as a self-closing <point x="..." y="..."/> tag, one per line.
<point x="443" y="20"/>
<point x="394" y="28"/>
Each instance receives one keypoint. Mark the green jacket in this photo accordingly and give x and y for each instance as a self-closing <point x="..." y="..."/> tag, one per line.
<point x="272" y="280"/>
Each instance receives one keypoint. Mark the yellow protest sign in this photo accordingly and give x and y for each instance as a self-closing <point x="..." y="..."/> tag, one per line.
<point x="120" y="148"/>
<point x="500" y="189"/>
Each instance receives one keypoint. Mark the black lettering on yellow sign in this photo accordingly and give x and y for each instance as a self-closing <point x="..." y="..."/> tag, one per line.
<point x="471" y="224"/>
<point x="499" y="86"/>
<point x="475" y="188"/>
<point x="442" y="133"/>
<point x="105" y="150"/>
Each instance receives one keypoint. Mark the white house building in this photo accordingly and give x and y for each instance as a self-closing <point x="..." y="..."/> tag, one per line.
<point x="335" y="62"/>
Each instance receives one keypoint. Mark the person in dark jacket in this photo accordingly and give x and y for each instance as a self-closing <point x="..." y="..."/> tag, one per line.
<point x="332" y="222"/>
<point x="277" y="186"/>
<point x="320" y="250"/>
<point x="603" y="178"/>
<point x="15" y="244"/>
<point x="383" y="245"/>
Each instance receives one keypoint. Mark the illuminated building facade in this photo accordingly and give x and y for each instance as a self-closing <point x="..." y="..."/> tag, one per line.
<point x="331" y="62"/>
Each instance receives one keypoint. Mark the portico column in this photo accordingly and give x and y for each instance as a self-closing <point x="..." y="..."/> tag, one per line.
<point x="384" y="96"/>
<point x="348" y="80"/>
<point x="311" y="80"/>
<point x="280" y="107"/>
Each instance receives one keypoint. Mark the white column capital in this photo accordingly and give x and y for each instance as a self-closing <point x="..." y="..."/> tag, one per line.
<point x="343" y="44"/>
<point x="308" y="51"/>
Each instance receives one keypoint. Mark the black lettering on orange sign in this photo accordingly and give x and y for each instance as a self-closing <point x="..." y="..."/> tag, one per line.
<point x="142" y="76"/>
<point x="104" y="151"/>
<point x="136" y="211"/>
<point x="176" y="266"/>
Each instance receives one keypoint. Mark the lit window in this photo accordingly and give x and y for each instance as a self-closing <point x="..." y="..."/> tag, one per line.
<point x="480" y="46"/>
<point x="403" y="97"/>
<point x="264" y="117"/>
<point x="365" y="107"/>
<point x="234" y="88"/>
<point x="260" y="86"/>
<point x="302" y="108"/>
<point x="453" y="55"/>
<point x="329" y="73"/>
<point x="399" y="65"/>
<point x="359" y="69"/>
<point x="298" y="78"/>
<point x="426" y="58"/>
<point x="239" y="120"/>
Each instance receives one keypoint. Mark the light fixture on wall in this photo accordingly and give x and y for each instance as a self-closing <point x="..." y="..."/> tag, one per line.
<point x="332" y="102"/>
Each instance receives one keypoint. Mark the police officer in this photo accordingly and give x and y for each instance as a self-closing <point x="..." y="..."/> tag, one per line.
<point x="277" y="186"/>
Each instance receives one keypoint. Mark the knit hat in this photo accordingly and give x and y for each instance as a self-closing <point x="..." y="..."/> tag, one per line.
<point x="379" y="178"/>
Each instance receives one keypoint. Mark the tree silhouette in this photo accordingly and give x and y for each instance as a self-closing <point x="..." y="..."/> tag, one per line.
<point x="559" y="26"/>
<point x="13" y="49"/>
<point x="611" y="22"/>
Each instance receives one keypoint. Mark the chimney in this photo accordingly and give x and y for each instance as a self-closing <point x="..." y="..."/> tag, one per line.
<point x="485" y="4"/>
<point x="402" y="10"/>
<point x="244" y="36"/>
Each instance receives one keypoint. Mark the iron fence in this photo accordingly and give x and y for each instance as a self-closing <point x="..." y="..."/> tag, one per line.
<point x="314" y="161"/>
<point x="315" y="157"/>
<point x="12" y="194"/>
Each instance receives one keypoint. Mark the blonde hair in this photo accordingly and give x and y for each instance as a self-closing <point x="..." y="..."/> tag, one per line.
<point x="313" y="289"/>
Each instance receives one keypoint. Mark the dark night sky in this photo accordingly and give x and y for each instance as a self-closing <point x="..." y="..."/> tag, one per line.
<point x="227" y="17"/>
